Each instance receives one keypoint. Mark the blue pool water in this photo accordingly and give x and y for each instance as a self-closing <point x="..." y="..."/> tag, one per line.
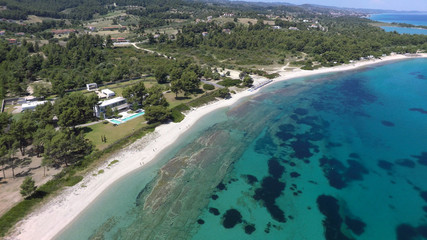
<point x="417" y="19"/>
<point x="115" y="121"/>
<point x="403" y="30"/>
<point x="133" y="116"/>
<point x="337" y="156"/>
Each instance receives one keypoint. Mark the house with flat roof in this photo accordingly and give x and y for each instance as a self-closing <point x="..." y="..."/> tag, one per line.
<point x="108" y="93"/>
<point x="118" y="103"/>
<point x="91" y="86"/>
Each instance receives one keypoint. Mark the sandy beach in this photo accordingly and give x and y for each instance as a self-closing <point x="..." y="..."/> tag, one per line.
<point x="51" y="218"/>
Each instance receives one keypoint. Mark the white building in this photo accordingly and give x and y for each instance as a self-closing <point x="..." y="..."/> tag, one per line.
<point x="108" y="93"/>
<point x="31" y="105"/>
<point x="118" y="103"/>
<point x="91" y="86"/>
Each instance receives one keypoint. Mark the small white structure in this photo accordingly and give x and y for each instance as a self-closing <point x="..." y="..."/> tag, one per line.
<point x="31" y="105"/>
<point x="91" y="86"/>
<point x="118" y="103"/>
<point x="108" y="93"/>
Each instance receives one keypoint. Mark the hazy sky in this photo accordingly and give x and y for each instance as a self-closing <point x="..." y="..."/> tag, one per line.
<point x="404" y="5"/>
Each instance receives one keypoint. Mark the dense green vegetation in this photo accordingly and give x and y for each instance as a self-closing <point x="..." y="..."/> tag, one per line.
<point x="347" y="39"/>
<point x="84" y="59"/>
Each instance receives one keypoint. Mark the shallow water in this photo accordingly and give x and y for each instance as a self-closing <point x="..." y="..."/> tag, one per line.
<point x="336" y="156"/>
<point x="417" y="19"/>
<point x="403" y="30"/>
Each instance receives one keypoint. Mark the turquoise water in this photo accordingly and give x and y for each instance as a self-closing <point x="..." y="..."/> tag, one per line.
<point x="417" y="19"/>
<point x="403" y="30"/>
<point x="115" y="121"/>
<point x="336" y="156"/>
<point x="133" y="116"/>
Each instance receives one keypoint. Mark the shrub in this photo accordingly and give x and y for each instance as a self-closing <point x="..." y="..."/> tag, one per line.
<point x="27" y="187"/>
<point x="222" y="93"/>
<point x="182" y="107"/>
<point x="113" y="162"/>
<point x="71" y="181"/>
<point x="208" y="87"/>
<point x="176" y="115"/>
<point x="228" y="82"/>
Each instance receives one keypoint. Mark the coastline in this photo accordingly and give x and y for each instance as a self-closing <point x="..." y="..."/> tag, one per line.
<point x="54" y="216"/>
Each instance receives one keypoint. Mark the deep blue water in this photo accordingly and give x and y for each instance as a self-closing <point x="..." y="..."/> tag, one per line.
<point x="418" y="19"/>
<point x="336" y="156"/>
<point x="403" y="30"/>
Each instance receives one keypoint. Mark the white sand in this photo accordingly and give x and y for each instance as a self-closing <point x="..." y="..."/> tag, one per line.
<point x="54" y="216"/>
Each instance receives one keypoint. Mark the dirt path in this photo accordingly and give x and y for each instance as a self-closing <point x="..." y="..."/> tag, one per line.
<point x="151" y="51"/>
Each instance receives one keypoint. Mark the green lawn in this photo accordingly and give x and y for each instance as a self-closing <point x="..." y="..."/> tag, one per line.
<point x="111" y="132"/>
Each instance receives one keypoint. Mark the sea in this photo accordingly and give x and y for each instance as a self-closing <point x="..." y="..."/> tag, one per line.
<point x="334" y="156"/>
<point x="405" y="30"/>
<point x="417" y="19"/>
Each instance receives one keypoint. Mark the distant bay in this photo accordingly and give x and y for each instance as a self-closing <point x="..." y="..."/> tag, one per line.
<point x="404" y="30"/>
<point x="417" y="19"/>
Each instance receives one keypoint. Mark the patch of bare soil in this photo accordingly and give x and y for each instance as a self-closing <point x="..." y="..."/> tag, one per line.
<point x="10" y="187"/>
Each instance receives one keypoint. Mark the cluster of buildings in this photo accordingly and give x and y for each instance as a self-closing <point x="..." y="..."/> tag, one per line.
<point x="116" y="103"/>
<point x="111" y="101"/>
<point x="12" y="41"/>
<point x="228" y="15"/>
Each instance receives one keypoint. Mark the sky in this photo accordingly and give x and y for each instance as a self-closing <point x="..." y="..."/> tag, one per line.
<point x="402" y="5"/>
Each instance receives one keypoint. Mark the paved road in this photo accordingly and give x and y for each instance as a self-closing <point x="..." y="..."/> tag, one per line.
<point x="89" y="124"/>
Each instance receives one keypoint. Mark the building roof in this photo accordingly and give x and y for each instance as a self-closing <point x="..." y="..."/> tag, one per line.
<point x="111" y="101"/>
<point x="107" y="91"/>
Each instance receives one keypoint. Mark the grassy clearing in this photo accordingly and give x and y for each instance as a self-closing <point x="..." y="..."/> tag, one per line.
<point x="111" y="132"/>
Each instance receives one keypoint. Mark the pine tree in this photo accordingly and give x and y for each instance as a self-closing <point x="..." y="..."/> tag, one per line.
<point x="28" y="187"/>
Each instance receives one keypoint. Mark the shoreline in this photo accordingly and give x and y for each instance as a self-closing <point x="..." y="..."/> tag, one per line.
<point x="52" y="218"/>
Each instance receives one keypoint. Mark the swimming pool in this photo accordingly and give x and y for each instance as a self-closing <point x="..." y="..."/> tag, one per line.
<point x="122" y="120"/>
<point x="133" y="116"/>
<point x="115" y="121"/>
